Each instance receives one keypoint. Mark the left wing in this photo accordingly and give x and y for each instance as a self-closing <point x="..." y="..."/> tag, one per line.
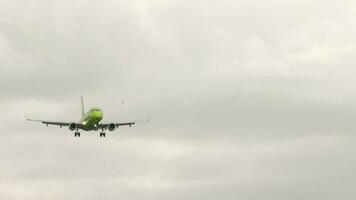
<point x="106" y="125"/>
<point x="112" y="126"/>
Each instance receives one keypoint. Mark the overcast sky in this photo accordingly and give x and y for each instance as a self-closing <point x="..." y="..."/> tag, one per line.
<point x="248" y="99"/>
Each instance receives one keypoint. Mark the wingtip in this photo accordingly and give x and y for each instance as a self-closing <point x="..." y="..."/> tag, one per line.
<point x="31" y="120"/>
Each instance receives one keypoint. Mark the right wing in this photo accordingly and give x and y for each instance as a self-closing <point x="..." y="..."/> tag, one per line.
<point x="51" y="122"/>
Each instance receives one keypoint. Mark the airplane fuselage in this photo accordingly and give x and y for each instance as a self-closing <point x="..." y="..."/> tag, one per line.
<point x="91" y="119"/>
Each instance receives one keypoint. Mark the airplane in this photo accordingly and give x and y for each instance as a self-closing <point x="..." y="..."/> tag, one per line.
<point x="90" y="121"/>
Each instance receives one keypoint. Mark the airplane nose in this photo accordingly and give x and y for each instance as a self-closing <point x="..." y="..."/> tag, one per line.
<point x="97" y="114"/>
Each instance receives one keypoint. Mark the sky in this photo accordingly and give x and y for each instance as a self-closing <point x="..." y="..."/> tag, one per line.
<point x="248" y="99"/>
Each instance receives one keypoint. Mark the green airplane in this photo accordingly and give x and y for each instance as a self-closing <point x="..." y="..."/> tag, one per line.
<point x="90" y="121"/>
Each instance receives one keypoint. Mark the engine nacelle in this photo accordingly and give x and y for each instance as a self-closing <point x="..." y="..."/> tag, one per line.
<point x="72" y="126"/>
<point x="111" y="127"/>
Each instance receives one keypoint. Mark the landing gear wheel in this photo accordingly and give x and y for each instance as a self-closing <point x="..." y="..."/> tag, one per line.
<point x="76" y="134"/>
<point x="102" y="134"/>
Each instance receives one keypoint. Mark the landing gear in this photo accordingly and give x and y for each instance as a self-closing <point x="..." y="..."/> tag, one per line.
<point x="102" y="134"/>
<point x="77" y="133"/>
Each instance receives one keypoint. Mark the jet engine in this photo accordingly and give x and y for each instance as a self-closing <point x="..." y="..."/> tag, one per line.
<point x="72" y="126"/>
<point x="111" y="127"/>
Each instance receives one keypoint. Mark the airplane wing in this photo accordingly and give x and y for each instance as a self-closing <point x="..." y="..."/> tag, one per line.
<point x="106" y="125"/>
<point x="50" y="122"/>
<point x="117" y="125"/>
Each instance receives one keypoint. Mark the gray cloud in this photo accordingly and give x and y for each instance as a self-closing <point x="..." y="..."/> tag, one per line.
<point x="247" y="100"/>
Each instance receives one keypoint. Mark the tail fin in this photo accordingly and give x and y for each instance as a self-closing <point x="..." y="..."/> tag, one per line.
<point x="82" y="106"/>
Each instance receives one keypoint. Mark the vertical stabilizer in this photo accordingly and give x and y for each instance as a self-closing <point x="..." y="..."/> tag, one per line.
<point x="82" y="106"/>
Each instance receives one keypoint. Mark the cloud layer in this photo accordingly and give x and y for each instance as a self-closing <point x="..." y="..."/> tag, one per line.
<point x="248" y="100"/>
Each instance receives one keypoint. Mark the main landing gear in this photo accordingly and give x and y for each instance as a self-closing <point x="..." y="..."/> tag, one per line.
<point x="77" y="133"/>
<point x="102" y="134"/>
